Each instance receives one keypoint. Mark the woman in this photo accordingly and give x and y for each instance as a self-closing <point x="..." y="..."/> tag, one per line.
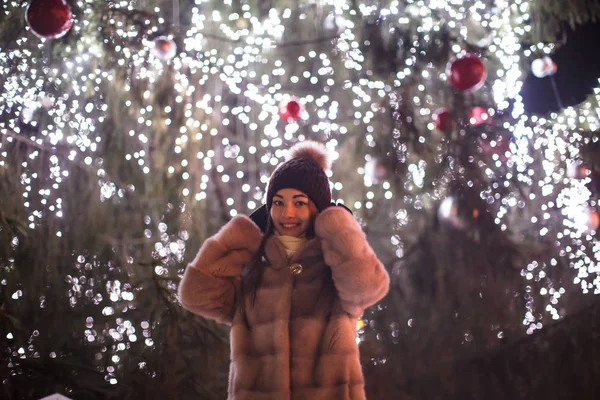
<point x="293" y="294"/>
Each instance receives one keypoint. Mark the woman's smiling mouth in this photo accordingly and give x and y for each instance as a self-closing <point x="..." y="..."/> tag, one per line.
<point x="289" y="226"/>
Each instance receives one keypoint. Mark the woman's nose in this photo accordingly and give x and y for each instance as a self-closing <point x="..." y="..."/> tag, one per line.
<point x="288" y="211"/>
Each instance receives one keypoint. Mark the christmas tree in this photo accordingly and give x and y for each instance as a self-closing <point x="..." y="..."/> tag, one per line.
<point x="131" y="131"/>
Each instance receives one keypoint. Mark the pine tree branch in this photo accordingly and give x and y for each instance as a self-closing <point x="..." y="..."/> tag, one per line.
<point x="551" y="16"/>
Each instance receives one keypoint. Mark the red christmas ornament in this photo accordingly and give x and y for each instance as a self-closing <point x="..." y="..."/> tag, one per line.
<point x="376" y="169"/>
<point x="542" y="67"/>
<point x="466" y="72"/>
<point x="448" y="212"/>
<point x="478" y="116"/>
<point x="290" y="110"/>
<point x="443" y="120"/>
<point x="164" y="48"/>
<point x="49" y="19"/>
<point x="577" y="170"/>
<point x="586" y="218"/>
<point x="594" y="220"/>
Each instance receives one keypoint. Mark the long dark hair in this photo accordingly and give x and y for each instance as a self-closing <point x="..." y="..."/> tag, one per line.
<point x="253" y="272"/>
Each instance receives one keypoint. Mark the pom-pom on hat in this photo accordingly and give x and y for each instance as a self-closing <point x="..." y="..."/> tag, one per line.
<point x="303" y="170"/>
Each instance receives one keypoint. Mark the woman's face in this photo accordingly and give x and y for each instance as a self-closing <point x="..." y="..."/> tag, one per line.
<point x="292" y="212"/>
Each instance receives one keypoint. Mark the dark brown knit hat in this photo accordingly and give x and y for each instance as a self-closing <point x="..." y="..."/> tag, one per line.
<point x="304" y="170"/>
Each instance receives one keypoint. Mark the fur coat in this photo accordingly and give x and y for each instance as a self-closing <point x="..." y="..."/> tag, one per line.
<point x="302" y="338"/>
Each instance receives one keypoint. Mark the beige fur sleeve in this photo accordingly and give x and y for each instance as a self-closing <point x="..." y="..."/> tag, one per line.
<point x="359" y="277"/>
<point x="209" y="283"/>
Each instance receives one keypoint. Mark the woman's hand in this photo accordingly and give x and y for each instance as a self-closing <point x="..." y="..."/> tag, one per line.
<point x="239" y="234"/>
<point x="333" y="220"/>
<point x="358" y="275"/>
<point x="209" y="283"/>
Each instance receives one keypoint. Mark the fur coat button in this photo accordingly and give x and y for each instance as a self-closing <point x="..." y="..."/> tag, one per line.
<point x="295" y="269"/>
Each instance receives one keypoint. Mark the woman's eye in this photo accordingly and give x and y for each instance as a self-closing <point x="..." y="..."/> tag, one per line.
<point x="277" y="203"/>
<point x="301" y="204"/>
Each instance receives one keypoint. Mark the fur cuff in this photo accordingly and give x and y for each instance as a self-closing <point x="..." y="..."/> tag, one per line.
<point x="335" y="220"/>
<point x="239" y="233"/>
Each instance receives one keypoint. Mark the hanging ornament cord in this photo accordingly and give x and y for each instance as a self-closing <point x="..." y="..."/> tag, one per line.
<point x="556" y="93"/>
<point x="176" y="14"/>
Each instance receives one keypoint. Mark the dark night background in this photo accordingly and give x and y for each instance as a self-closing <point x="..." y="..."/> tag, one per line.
<point x="578" y="64"/>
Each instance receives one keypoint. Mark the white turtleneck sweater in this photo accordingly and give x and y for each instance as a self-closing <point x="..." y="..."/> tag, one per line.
<point x="291" y="243"/>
